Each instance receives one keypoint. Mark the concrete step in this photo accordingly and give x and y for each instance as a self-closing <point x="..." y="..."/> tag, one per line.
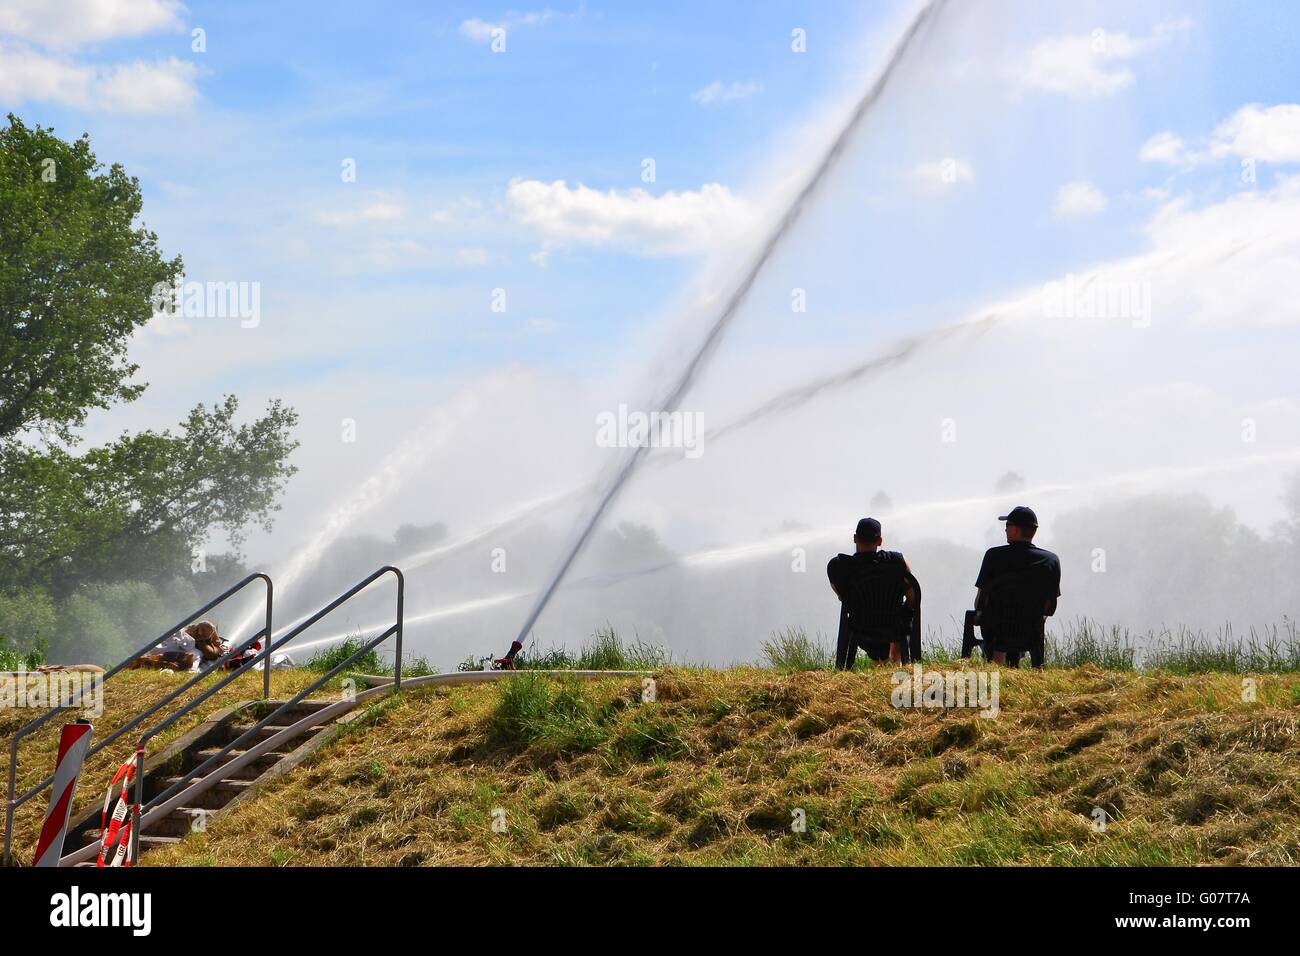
<point x="291" y="716"/>
<point x="251" y="771"/>
<point x="179" y="823"/>
<point x="216" y="796"/>
<point x="233" y="733"/>
<point x="148" y="841"/>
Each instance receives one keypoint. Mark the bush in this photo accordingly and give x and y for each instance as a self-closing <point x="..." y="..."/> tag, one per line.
<point x="1276" y="650"/>
<point x="27" y="622"/>
<point x="1086" y="642"/>
<point x="555" y="712"/>
<point x="15" y="658"/>
<point x="604" y="652"/>
<point x="416" y="667"/>
<point x="793" y="650"/>
<point x="87" y="633"/>
<point x="103" y="623"/>
<point x="328" y="658"/>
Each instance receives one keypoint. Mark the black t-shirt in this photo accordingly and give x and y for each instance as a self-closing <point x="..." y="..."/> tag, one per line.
<point x="844" y="568"/>
<point x="1021" y="572"/>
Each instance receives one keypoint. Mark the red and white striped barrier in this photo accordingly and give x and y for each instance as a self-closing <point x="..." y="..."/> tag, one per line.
<point x="117" y="829"/>
<point x="73" y="744"/>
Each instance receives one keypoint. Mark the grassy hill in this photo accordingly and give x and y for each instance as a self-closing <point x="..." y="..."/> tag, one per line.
<point x="714" y="771"/>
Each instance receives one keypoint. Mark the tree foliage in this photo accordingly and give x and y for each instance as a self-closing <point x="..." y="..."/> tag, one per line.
<point x="87" y="535"/>
<point x="77" y="275"/>
<point x="139" y="505"/>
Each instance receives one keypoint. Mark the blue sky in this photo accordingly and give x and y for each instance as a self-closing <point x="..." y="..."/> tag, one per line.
<point x="1021" y="143"/>
<point x="284" y="92"/>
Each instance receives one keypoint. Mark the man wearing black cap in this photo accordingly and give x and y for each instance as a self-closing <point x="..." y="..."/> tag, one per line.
<point x="879" y="599"/>
<point x="1018" y="585"/>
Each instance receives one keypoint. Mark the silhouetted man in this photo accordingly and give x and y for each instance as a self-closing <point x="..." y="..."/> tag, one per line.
<point x="1018" y="585"/>
<point x="879" y="600"/>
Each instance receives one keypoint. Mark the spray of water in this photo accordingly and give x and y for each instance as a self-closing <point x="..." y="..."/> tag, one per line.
<point x="510" y="519"/>
<point x="451" y="610"/>
<point x="479" y="604"/>
<point x="1148" y="477"/>
<point x="713" y="337"/>
<point x="903" y="352"/>
<point x="393" y="471"/>
<point x="900" y="352"/>
<point x="752" y="550"/>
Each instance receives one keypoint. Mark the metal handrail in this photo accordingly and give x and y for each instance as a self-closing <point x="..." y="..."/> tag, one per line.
<point x="12" y="804"/>
<point x="271" y="646"/>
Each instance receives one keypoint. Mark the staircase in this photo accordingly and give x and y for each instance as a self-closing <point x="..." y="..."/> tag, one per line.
<point x="201" y="744"/>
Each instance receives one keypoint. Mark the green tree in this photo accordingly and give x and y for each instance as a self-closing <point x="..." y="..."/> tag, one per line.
<point x="84" y="529"/>
<point x="27" y="626"/>
<point x="77" y="275"/>
<point x="137" y="507"/>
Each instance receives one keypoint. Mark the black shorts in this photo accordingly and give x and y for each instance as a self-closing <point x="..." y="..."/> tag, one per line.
<point x="875" y="643"/>
<point x="1009" y="640"/>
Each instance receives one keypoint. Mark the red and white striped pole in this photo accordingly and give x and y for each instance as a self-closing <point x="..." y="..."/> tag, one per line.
<point x="73" y="744"/>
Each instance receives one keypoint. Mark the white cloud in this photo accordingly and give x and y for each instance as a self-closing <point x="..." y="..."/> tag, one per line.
<point x="1227" y="264"/>
<point x="1078" y="199"/>
<point x="27" y="75"/>
<point x="1088" y="66"/>
<point x="166" y="325"/>
<point x="36" y="37"/>
<point x="1165" y="147"/>
<point x="455" y="213"/>
<point x="480" y="31"/>
<point x="379" y="210"/>
<point x="716" y="92"/>
<point x="71" y="23"/>
<point x="384" y="253"/>
<point x="1269" y="134"/>
<point x="1231" y="263"/>
<point x="941" y="174"/>
<point x="675" y="223"/>
<point x="140" y="87"/>
<point x="472" y="257"/>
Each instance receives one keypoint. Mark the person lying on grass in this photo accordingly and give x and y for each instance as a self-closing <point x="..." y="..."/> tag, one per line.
<point x="190" y="649"/>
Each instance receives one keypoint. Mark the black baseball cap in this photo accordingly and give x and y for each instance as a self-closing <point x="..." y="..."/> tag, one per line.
<point x="1020" y="515"/>
<point x="868" y="530"/>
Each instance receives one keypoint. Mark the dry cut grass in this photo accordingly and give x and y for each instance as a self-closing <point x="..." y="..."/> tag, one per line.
<point x="722" y="766"/>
